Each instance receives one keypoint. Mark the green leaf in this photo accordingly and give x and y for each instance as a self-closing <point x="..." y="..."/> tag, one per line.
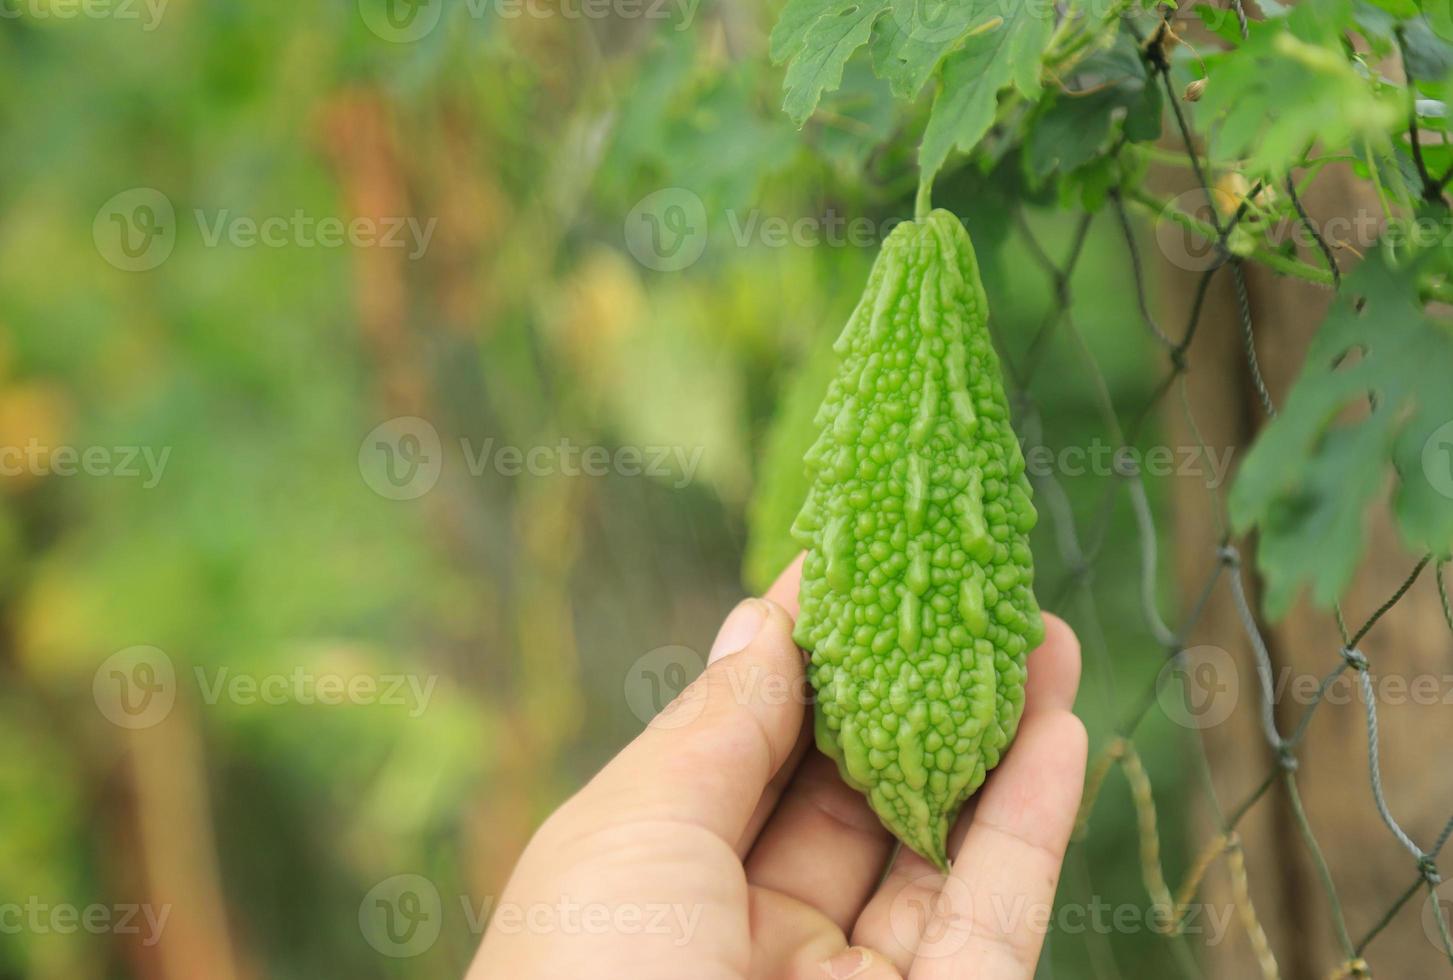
<point x="1290" y="85"/>
<point x="1071" y="128"/>
<point x="797" y="18"/>
<point x="974" y="76"/>
<point x="1311" y="476"/>
<point x="1220" y="23"/>
<point x="817" y="37"/>
<point x="1143" y="115"/>
<point x="863" y="117"/>
<point x="1393" y="166"/>
<point x="1440" y="17"/>
<point x="1376" y="25"/>
<point x="911" y="43"/>
<point x="1429" y="57"/>
<point x="680" y="127"/>
<point x="1398" y="8"/>
<point x="1071" y="131"/>
<point x="1089" y="187"/>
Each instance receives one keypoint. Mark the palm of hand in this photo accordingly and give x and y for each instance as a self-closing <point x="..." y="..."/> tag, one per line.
<point x="720" y="846"/>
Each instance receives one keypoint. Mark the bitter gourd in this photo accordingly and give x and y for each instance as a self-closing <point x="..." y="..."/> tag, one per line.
<point x="917" y="601"/>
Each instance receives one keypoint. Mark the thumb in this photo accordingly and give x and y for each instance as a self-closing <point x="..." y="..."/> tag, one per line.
<point x="858" y="963"/>
<point x="707" y="757"/>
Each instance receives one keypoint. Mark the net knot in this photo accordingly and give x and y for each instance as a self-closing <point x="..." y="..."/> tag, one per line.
<point x="1229" y="556"/>
<point x="1286" y="758"/>
<point x="1126" y="464"/>
<point x="1428" y="868"/>
<point x="1354" y="659"/>
<point x="1354" y="968"/>
<point x="1178" y="360"/>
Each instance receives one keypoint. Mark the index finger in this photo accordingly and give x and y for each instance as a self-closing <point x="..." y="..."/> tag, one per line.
<point x="925" y="921"/>
<point x="784" y="590"/>
<point x="1001" y="889"/>
<point x="1000" y="892"/>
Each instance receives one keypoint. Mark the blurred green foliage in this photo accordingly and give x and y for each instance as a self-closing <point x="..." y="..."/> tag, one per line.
<point x="264" y="548"/>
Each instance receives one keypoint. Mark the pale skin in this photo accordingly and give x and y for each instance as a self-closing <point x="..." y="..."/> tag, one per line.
<point x="720" y="845"/>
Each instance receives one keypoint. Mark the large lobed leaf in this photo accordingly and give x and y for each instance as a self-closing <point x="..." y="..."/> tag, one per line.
<point x="973" y="77"/>
<point x="816" y="38"/>
<point x="1311" y="477"/>
<point x="982" y="47"/>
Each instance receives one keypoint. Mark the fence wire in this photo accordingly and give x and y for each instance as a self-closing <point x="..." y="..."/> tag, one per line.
<point x="1079" y="548"/>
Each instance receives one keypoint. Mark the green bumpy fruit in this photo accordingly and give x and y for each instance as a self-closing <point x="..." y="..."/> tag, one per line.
<point x="917" y="592"/>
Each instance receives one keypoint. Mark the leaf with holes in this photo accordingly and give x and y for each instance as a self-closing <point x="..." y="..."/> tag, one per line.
<point x="816" y="38"/>
<point x="1310" y="478"/>
<point x="911" y="43"/>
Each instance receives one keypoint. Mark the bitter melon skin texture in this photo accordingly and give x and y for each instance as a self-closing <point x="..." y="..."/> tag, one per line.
<point x="917" y="601"/>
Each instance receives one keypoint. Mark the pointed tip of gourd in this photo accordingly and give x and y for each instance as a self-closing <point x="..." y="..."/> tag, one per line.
<point x="928" y="842"/>
<point x="937" y="850"/>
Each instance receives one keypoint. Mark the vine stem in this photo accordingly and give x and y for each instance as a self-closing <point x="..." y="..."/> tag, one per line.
<point x="1275" y="261"/>
<point x="1432" y="291"/>
<point x="923" y="203"/>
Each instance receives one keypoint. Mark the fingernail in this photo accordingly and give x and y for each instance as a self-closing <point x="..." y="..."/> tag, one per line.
<point x="740" y="628"/>
<point x="847" y="964"/>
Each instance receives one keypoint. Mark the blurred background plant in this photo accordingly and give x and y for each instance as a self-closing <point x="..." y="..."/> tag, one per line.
<point x="457" y="263"/>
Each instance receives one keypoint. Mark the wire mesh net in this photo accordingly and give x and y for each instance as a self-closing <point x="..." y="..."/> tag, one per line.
<point x="1080" y="546"/>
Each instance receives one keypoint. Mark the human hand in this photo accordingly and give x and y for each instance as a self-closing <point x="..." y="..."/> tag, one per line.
<point x="720" y="845"/>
